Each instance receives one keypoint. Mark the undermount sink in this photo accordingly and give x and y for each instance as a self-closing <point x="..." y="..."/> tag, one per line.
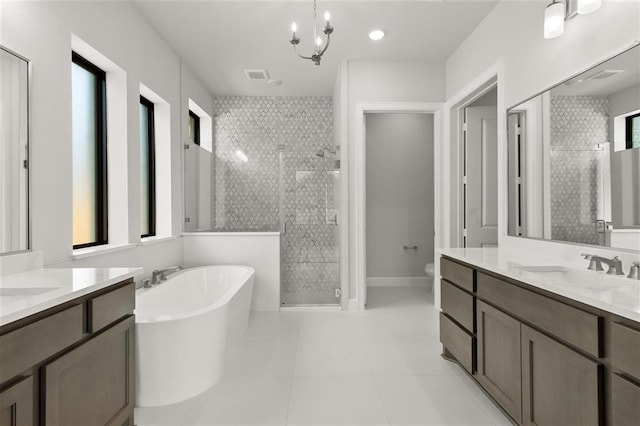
<point x="575" y="278"/>
<point x="25" y="291"/>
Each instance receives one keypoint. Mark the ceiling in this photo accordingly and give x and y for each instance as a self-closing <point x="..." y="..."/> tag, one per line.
<point x="218" y="39"/>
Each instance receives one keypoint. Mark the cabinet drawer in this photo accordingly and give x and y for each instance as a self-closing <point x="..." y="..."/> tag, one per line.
<point x="458" y="305"/>
<point x="110" y="307"/>
<point x="27" y="346"/>
<point x="625" y="349"/>
<point x="570" y="324"/>
<point x="458" y="274"/>
<point x="625" y="402"/>
<point x="457" y="341"/>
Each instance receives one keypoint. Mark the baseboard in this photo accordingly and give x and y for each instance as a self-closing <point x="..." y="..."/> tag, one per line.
<point x="399" y="282"/>
<point x="353" y="304"/>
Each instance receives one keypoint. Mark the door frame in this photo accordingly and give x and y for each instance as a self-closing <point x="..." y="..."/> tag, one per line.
<point x="457" y="181"/>
<point x="359" y="166"/>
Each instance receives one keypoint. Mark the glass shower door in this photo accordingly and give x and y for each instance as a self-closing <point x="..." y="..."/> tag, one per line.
<point x="310" y="199"/>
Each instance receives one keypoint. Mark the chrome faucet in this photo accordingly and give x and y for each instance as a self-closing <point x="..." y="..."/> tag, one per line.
<point x="160" y="275"/>
<point x="595" y="264"/>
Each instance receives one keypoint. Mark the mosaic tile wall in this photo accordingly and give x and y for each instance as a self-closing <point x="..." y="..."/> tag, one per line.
<point x="267" y="173"/>
<point x="578" y="124"/>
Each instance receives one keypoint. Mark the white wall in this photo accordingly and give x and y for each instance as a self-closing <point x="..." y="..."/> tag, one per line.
<point x="260" y="250"/>
<point x="399" y="186"/>
<point x="512" y="31"/>
<point x="42" y="32"/>
<point x="511" y="35"/>
<point x="381" y="82"/>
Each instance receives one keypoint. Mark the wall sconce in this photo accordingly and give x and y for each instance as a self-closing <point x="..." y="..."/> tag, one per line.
<point x="559" y="11"/>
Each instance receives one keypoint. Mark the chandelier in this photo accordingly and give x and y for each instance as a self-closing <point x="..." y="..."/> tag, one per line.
<point x="318" y="49"/>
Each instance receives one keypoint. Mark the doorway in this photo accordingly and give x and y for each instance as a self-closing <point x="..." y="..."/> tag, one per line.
<point x="359" y="214"/>
<point x="480" y="171"/>
<point x="399" y="204"/>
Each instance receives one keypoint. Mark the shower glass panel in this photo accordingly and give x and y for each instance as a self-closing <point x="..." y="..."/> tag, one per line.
<point x="310" y="264"/>
<point x="269" y="177"/>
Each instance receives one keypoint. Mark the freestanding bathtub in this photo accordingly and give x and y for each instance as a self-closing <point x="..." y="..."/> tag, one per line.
<point x="185" y="327"/>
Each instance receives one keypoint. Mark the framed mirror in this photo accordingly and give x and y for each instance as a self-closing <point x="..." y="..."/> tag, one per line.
<point x="574" y="158"/>
<point x="14" y="152"/>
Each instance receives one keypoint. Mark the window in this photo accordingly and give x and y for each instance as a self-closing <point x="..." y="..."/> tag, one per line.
<point x="633" y="131"/>
<point x="147" y="169"/>
<point x="194" y="128"/>
<point x="89" y="153"/>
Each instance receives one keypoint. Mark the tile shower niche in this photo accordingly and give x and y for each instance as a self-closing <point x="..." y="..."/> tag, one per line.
<point x="276" y="169"/>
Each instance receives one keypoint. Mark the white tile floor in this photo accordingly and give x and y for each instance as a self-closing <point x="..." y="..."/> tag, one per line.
<point x="378" y="367"/>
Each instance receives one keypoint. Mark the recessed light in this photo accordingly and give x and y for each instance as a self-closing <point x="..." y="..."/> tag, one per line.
<point x="275" y="82"/>
<point x="376" y="35"/>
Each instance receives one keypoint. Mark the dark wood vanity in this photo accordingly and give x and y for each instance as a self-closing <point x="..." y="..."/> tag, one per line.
<point x="72" y="364"/>
<point x="544" y="359"/>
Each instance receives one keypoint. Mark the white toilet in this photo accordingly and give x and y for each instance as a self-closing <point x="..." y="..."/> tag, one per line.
<point x="429" y="269"/>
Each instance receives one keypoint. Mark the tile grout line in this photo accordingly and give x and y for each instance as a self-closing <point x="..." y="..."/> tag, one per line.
<point x="384" y="406"/>
<point x="293" y="369"/>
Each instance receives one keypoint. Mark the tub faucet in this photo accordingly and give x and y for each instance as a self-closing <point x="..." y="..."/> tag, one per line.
<point x="595" y="263"/>
<point x="160" y="275"/>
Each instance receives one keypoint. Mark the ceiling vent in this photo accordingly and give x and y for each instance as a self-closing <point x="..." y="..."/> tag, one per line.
<point x="605" y="74"/>
<point x="257" y="74"/>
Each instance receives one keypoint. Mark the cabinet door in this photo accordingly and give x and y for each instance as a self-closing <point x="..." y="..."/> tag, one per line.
<point x="16" y="404"/>
<point x="625" y="402"/>
<point x="559" y="386"/>
<point x="92" y="385"/>
<point x="499" y="367"/>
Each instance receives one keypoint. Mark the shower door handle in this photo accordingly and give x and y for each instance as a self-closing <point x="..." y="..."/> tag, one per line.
<point x="283" y="228"/>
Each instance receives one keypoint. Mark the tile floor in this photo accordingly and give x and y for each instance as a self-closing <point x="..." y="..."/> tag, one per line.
<point x="378" y="367"/>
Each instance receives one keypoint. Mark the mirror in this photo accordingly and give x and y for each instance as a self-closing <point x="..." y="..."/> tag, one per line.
<point x="14" y="152"/>
<point x="574" y="158"/>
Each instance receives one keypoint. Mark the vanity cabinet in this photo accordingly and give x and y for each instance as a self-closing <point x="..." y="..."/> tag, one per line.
<point x="543" y="358"/>
<point x="107" y="360"/>
<point x="559" y="386"/>
<point x="499" y="358"/>
<point x="16" y="404"/>
<point x="72" y="364"/>
<point x="625" y="380"/>
<point x="457" y="319"/>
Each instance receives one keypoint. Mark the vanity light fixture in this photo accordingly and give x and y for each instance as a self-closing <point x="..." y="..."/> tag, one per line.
<point x="318" y="49"/>
<point x="376" y="35"/>
<point x="560" y="11"/>
<point x="554" y="16"/>
<point x="588" y="6"/>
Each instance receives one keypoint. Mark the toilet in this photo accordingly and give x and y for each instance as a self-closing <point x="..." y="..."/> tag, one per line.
<point x="429" y="269"/>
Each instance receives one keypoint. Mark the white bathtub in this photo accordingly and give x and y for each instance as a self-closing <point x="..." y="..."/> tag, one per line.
<point x="185" y="327"/>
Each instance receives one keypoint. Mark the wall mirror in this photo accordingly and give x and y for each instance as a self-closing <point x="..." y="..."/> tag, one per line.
<point x="574" y="158"/>
<point x="14" y="152"/>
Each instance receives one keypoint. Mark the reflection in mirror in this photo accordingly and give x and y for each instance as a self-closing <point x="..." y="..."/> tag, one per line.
<point x="574" y="158"/>
<point x="14" y="176"/>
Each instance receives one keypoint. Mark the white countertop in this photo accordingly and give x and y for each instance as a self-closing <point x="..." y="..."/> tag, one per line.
<point x="618" y="295"/>
<point x="28" y="293"/>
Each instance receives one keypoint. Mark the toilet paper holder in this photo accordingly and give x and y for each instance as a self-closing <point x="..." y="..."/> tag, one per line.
<point x="406" y="247"/>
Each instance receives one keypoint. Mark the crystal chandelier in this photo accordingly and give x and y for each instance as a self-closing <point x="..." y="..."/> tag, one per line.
<point x="318" y="49"/>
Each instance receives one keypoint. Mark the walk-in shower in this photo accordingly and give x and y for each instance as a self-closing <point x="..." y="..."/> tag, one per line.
<point x="287" y="181"/>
